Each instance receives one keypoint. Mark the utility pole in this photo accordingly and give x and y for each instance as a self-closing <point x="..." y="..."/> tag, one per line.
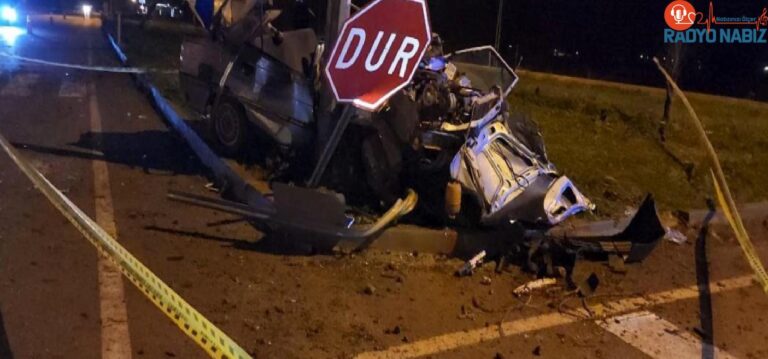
<point x="498" y="25"/>
<point x="120" y="28"/>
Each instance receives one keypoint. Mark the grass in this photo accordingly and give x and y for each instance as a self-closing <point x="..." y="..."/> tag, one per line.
<point x="605" y="137"/>
<point x="156" y="48"/>
<point x="602" y="135"/>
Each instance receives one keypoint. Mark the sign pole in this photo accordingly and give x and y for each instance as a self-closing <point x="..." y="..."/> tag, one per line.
<point x="357" y="81"/>
<point x="119" y="28"/>
<point x="499" y="19"/>
<point x="330" y="148"/>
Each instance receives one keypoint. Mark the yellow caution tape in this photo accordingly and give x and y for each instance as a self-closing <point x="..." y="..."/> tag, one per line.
<point x="121" y="70"/>
<point x="189" y="320"/>
<point x="742" y="236"/>
<point x="724" y="196"/>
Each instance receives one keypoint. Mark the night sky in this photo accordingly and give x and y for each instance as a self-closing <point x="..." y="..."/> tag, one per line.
<point x="610" y="36"/>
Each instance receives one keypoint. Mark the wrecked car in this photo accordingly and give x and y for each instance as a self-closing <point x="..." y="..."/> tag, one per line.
<point x="444" y="150"/>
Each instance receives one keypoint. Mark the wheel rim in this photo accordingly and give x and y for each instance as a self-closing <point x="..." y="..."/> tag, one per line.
<point x="227" y="126"/>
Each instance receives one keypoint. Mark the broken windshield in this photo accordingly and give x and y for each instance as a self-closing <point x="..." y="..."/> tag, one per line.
<point x="484" y="68"/>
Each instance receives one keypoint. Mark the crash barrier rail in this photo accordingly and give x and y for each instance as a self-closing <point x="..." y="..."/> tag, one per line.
<point x="188" y="319"/>
<point x="226" y="178"/>
<point x="351" y="240"/>
<point x="118" y="51"/>
<point x="256" y="207"/>
<point x="215" y="342"/>
<point x="722" y="190"/>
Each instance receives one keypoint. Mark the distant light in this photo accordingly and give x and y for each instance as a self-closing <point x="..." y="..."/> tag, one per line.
<point x="765" y="69"/>
<point x="9" y="34"/>
<point x="9" y="14"/>
<point x="87" y="11"/>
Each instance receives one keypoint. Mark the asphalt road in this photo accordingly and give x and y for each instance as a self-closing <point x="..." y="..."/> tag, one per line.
<point x="86" y="129"/>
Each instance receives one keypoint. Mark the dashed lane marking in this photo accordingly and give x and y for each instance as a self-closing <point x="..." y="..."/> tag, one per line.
<point x="657" y="337"/>
<point x="452" y="341"/>
<point x="115" y="337"/>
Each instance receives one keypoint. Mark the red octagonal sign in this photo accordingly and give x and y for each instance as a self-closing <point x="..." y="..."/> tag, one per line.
<point x="378" y="51"/>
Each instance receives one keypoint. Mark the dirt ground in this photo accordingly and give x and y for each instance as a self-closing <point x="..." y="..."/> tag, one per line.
<point x="267" y="295"/>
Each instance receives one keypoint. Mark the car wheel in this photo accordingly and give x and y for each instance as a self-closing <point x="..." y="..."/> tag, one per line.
<point x="230" y="128"/>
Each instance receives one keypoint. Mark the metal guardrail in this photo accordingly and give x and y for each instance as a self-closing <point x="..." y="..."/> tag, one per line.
<point x="254" y="205"/>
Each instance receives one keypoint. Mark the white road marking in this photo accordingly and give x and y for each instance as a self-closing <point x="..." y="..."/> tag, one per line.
<point x="452" y="341"/>
<point x="657" y="337"/>
<point x="115" y="337"/>
<point x="20" y="85"/>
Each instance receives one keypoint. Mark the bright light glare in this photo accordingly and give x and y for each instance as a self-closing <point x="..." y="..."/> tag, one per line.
<point x="9" y="14"/>
<point x="9" y="34"/>
<point x="87" y="11"/>
<point x="765" y="69"/>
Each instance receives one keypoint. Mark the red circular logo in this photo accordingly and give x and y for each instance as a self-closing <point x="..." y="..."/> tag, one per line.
<point x="680" y="15"/>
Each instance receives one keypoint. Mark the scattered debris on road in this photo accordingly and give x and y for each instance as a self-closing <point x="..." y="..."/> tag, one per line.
<point x="469" y="267"/>
<point x="675" y="236"/>
<point x="527" y="288"/>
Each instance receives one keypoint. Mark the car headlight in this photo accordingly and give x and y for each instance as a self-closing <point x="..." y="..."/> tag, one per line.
<point x="9" y="14"/>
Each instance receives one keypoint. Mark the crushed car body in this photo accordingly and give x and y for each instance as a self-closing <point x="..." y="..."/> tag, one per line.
<point x="444" y="150"/>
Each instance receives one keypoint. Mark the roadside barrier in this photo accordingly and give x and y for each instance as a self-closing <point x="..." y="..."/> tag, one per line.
<point x="722" y="191"/>
<point x="188" y="319"/>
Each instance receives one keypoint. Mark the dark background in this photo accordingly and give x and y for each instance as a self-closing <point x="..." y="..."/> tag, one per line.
<point x="601" y="39"/>
<point x="609" y="36"/>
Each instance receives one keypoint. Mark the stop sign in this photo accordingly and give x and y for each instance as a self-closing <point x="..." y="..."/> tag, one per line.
<point x="378" y="51"/>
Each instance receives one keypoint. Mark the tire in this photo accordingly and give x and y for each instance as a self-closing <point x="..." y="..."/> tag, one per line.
<point x="230" y="128"/>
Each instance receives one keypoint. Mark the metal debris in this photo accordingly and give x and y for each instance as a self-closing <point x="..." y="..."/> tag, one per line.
<point x="469" y="267"/>
<point x="533" y="285"/>
<point x="675" y="236"/>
